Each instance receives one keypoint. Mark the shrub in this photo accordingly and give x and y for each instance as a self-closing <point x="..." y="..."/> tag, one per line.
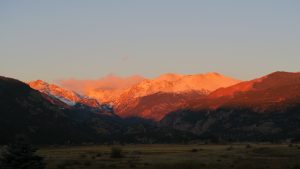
<point x="132" y="165"/>
<point x="136" y="153"/>
<point x="87" y="163"/>
<point x="116" y="152"/>
<point x="61" y="166"/>
<point x="229" y="148"/>
<point x="64" y="164"/>
<point x="248" y="146"/>
<point x="83" y="155"/>
<point x="113" y="166"/>
<point x="76" y="163"/>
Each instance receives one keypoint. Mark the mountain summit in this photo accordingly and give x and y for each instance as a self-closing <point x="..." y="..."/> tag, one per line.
<point x="176" y="83"/>
<point x="210" y="105"/>
<point x="266" y="108"/>
<point x="153" y="99"/>
<point x="68" y="97"/>
<point x="140" y="97"/>
<point x="104" y="89"/>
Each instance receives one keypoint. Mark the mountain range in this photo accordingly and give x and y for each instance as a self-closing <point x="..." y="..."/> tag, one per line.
<point x="46" y="118"/>
<point x="151" y="98"/>
<point x="70" y="98"/>
<point x="263" y="109"/>
<point x="154" y="98"/>
<point x="173" y="107"/>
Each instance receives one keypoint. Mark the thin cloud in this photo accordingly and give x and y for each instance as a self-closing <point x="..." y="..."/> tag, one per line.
<point x="109" y="82"/>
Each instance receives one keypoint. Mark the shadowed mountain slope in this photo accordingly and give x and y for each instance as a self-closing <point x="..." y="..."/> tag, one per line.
<point x="266" y="108"/>
<point x="25" y="111"/>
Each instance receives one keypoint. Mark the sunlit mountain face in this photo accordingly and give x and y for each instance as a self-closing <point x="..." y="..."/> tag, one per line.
<point x="42" y="116"/>
<point x="265" y="108"/>
<point x="148" y="98"/>
<point x="154" y="98"/>
<point x="204" y="105"/>
<point x="273" y="90"/>
<point x="69" y="97"/>
<point x="106" y="89"/>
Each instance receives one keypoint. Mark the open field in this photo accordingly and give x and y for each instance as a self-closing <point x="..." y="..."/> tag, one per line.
<point x="237" y="156"/>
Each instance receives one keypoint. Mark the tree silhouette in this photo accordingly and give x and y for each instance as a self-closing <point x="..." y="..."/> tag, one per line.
<point x="20" y="155"/>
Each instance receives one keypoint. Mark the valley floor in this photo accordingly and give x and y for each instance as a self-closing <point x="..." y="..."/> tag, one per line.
<point x="236" y="156"/>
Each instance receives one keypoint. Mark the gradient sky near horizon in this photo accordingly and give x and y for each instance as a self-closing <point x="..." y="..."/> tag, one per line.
<point x="88" y="39"/>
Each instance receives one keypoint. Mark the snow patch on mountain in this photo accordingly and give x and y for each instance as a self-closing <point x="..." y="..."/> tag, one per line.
<point x="67" y="96"/>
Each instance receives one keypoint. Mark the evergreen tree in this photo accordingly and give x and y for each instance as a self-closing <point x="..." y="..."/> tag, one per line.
<point x="20" y="155"/>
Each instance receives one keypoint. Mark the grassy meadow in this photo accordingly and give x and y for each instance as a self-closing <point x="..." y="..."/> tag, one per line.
<point x="237" y="156"/>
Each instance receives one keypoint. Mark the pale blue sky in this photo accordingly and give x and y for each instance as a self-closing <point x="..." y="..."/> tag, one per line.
<point x="87" y="39"/>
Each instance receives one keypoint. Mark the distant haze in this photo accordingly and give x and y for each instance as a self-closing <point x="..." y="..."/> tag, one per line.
<point x="78" y="39"/>
<point x="110" y="82"/>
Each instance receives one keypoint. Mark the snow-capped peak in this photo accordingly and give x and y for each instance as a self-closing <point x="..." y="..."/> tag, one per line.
<point x="69" y="97"/>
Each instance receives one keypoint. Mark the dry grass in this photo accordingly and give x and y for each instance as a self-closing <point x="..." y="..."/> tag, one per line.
<point x="175" y="157"/>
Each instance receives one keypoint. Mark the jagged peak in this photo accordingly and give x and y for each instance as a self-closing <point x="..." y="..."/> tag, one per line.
<point x="67" y="96"/>
<point x="38" y="82"/>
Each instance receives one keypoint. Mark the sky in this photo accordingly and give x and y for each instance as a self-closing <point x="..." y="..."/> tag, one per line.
<point x="88" y="39"/>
